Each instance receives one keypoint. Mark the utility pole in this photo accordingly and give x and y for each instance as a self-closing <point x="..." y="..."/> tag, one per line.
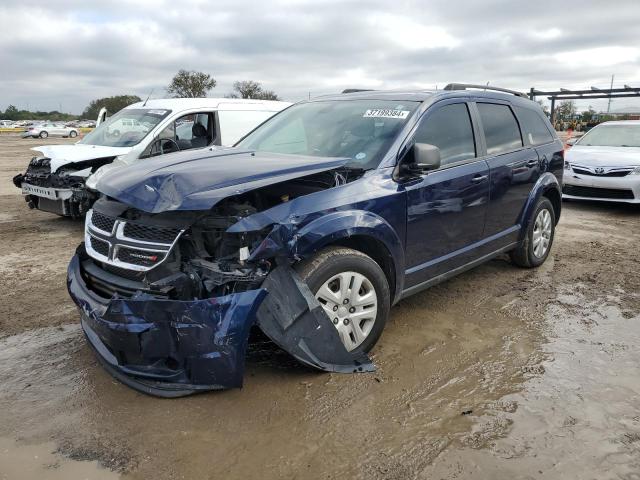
<point x="610" y="88"/>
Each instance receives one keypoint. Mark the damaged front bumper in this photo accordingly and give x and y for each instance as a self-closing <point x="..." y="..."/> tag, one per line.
<point x="165" y="347"/>
<point x="172" y="348"/>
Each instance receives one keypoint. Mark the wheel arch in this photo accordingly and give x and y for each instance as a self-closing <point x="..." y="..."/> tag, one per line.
<point x="363" y="231"/>
<point x="547" y="186"/>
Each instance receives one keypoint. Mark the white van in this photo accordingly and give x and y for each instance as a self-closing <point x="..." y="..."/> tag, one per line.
<point x="63" y="179"/>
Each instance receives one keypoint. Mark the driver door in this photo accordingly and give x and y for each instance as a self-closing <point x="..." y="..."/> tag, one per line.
<point x="446" y="207"/>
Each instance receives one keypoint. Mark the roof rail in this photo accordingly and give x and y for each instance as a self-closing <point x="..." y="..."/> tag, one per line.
<point x="464" y="86"/>
<point x="356" y="90"/>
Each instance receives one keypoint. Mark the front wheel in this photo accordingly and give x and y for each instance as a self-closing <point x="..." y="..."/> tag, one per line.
<point x="43" y="134"/>
<point x="73" y="134"/>
<point x="353" y="291"/>
<point x="535" y="248"/>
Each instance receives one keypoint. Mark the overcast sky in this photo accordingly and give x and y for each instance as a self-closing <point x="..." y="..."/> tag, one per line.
<point x="64" y="52"/>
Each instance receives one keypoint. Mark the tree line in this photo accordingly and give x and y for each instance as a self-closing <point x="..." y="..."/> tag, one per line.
<point x="184" y="84"/>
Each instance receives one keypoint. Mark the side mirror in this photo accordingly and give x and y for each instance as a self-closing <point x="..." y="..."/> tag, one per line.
<point x="421" y="158"/>
<point x="426" y="156"/>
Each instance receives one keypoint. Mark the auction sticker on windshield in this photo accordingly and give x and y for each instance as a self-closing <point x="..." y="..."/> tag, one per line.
<point x="385" y="113"/>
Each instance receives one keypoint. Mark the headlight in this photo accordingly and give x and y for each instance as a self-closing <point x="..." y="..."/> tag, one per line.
<point x="567" y="165"/>
<point x="635" y="171"/>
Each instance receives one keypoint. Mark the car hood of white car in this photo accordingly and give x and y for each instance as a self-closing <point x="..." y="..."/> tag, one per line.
<point x="603" y="156"/>
<point x="61" y="155"/>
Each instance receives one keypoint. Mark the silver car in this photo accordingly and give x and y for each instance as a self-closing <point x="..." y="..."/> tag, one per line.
<point x="604" y="164"/>
<point x="45" y="130"/>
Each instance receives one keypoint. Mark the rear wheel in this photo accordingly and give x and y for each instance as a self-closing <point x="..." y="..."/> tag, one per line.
<point x="73" y="134"/>
<point x="43" y="134"/>
<point x="353" y="291"/>
<point x="535" y="248"/>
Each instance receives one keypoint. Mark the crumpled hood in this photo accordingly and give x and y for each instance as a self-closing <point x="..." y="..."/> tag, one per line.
<point x="200" y="179"/>
<point x="61" y="155"/>
<point x="603" y="156"/>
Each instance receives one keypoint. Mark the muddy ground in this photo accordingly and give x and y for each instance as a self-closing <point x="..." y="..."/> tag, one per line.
<point x="501" y="373"/>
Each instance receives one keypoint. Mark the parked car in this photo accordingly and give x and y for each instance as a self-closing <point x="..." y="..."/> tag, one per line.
<point x="311" y="228"/>
<point x="45" y="130"/>
<point x="62" y="179"/>
<point x="604" y="164"/>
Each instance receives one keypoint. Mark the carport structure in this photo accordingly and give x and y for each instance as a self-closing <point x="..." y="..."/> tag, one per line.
<point x="593" y="92"/>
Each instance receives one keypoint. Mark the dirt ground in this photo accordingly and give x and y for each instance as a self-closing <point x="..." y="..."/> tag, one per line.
<point x="500" y="373"/>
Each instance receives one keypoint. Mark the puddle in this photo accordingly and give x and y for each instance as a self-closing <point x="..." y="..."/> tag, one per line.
<point x="40" y="462"/>
<point x="580" y="418"/>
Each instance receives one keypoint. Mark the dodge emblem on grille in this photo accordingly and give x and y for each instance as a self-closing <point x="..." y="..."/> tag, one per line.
<point x="151" y="258"/>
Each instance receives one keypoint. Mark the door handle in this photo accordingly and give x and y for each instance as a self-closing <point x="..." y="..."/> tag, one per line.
<point x="532" y="163"/>
<point x="479" y="178"/>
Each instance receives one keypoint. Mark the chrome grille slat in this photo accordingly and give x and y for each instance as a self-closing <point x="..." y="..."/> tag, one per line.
<point x="601" y="171"/>
<point x="125" y="251"/>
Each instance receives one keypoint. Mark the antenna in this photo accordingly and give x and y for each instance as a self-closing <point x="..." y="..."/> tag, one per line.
<point x="145" y="102"/>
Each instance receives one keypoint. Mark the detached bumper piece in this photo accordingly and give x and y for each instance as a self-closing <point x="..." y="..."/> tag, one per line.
<point x="172" y="348"/>
<point x="295" y="321"/>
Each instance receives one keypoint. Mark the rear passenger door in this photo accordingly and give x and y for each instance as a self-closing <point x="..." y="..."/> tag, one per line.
<point x="446" y="207"/>
<point x="513" y="170"/>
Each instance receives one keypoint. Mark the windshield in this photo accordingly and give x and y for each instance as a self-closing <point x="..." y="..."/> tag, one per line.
<point x="358" y="129"/>
<point x="612" y="136"/>
<point x="126" y="128"/>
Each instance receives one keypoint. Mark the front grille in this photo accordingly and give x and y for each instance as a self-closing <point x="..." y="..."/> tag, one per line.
<point x="102" y="221"/>
<point x="139" y="257"/>
<point x="593" y="192"/>
<point x="100" y="246"/>
<point x="150" y="234"/>
<point x="126" y="244"/>
<point x="615" y="173"/>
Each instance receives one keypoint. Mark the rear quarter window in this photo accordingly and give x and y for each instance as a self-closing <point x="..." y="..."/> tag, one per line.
<point x="501" y="130"/>
<point x="534" y="127"/>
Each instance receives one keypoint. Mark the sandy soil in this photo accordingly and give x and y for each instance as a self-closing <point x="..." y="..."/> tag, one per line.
<point x="501" y="373"/>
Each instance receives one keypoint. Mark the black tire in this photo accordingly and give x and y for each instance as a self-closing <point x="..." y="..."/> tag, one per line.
<point x="73" y="134"/>
<point x="43" y="134"/>
<point x="334" y="260"/>
<point x="523" y="255"/>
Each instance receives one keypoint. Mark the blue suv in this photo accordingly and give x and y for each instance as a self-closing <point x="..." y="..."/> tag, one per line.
<point x="310" y="229"/>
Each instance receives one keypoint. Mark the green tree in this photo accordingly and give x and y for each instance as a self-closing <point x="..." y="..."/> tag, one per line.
<point x="587" y="115"/>
<point x="112" y="104"/>
<point x="11" y="113"/>
<point x="566" y="110"/>
<point x="192" y="84"/>
<point x="251" y="89"/>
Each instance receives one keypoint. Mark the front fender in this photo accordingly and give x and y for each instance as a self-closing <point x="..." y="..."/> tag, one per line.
<point x="547" y="181"/>
<point x="336" y="226"/>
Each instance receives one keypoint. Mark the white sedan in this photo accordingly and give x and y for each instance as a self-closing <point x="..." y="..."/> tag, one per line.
<point x="604" y="164"/>
<point x="45" y="130"/>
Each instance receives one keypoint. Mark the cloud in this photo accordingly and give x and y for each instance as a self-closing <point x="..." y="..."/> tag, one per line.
<point x="69" y="52"/>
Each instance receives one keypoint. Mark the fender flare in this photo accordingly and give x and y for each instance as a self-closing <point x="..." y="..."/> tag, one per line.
<point x="344" y="224"/>
<point x="547" y="181"/>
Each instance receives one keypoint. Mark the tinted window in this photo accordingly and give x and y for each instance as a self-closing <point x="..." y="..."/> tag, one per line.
<point x="500" y="128"/>
<point x="449" y="128"/>
<point x="533" y="127"/>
